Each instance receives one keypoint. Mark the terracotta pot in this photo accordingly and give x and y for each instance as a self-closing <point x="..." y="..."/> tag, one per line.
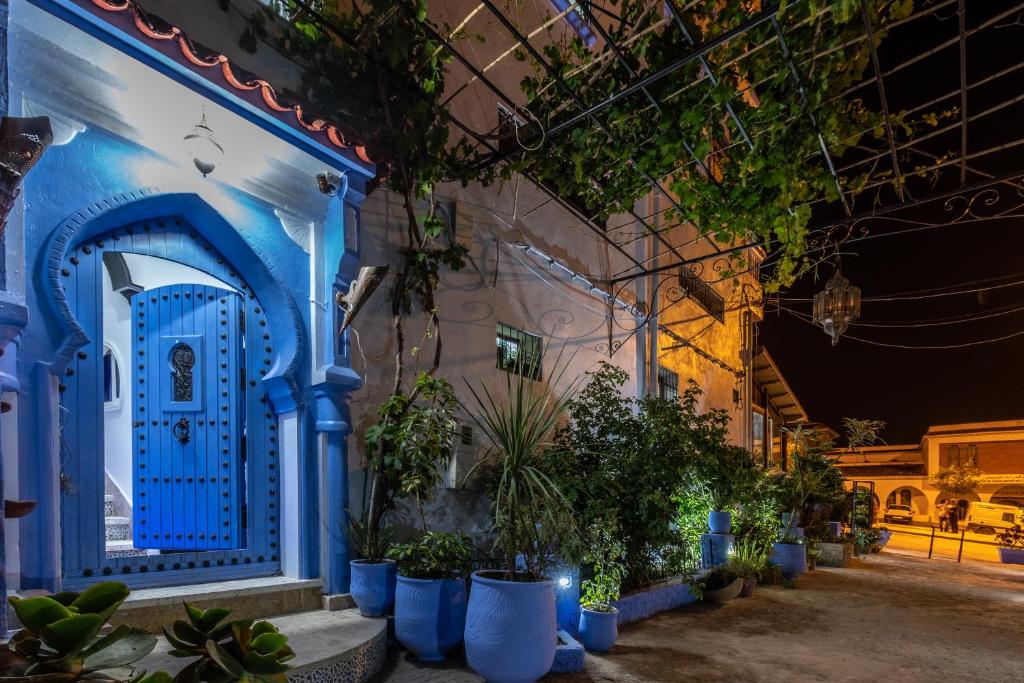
<point x="748" y="588"/>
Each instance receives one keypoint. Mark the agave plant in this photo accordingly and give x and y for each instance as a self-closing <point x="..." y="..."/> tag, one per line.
<point x="531" y="517"/>
<point x="228" y="651"/>
<point x="61" y="639"/>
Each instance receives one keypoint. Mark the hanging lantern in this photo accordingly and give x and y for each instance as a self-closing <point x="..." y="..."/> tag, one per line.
<point x="202" y="148"/>
<point x="837" y="306"/>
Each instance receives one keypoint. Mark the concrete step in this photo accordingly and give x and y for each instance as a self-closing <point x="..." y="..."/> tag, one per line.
<point x="117" y="528"/>
<point x="329" y="646"/>
<point x="152" y="608"/>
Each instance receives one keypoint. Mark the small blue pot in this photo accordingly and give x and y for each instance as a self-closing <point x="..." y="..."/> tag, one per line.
<point x="373" y="586"/>
<point x="430" y="616"/>
<point x="599" y="630"/>
<point x="720" y="521"/>
<point x="791" y="558"/>
<point x="510" y="628"/>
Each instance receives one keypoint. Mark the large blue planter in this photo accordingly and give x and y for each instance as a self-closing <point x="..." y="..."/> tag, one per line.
<point x="373" y="586"/>
<point x="720" y="521"/>
<point x="791" y="558"/>
<point x="510" y="628"/>
<point x="1011" y="555"/>
<point x="430" y="616"/>
<point x="599" y="630"/>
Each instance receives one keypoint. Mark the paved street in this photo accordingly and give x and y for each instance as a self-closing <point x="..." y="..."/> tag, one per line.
<point x="890" y="617"/>
<point x="976" y="546"/>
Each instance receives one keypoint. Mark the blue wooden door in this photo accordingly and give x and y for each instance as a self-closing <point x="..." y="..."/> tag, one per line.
<point x="188" y="381"/>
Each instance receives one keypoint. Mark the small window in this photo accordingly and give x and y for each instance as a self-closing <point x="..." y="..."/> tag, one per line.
<point x="183" y="359"/>
<point x="576" y="19"/>
<point x="519" y="352"/>
<point x="111" y="378"/>
<point x="668" y="384"/>
<point x="905" y="497"/>
<point x="971" y="456"/>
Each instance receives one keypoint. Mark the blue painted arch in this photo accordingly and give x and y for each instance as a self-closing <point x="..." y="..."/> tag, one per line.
<point x="282" y="381"/>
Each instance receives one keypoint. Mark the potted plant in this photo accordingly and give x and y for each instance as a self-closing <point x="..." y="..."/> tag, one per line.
<point x="748" y="561"/>
<point x="599" y="618"/>
<point x="721" y="585"/>
<point x="410" y="440"/>
<point x="1011" y="546"/>
<point x="812" y="556"/>
<point x="727" y="471"/>
<point x="511" y="623"/>
<point x="430" y="599"/>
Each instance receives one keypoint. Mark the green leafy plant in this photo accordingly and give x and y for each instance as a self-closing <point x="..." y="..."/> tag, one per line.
<point x="228" y="651"/>
<point x="748" y="559"/>
<point x="434" y="555"/>
<point x="1011" y="538"/>
<point x="728" y="472"/>
<point x="531" y="517"/>
<point x="956" y="479"/>
<point x="604" y="558"/>
<point x="409" y="445"/>
<point x="861" y="432"/>
<point x="61" y="638"/>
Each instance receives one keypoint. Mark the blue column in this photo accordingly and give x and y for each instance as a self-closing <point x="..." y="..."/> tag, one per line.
<point x="334" y="424"/>
<point x="13" y="318"/>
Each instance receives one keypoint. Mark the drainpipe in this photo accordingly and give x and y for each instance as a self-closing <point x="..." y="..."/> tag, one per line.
<point x="652" y="326"/>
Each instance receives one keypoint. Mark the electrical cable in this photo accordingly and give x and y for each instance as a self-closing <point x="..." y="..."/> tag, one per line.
<point x="930" y="293"/>
<point x="930" y="347"/>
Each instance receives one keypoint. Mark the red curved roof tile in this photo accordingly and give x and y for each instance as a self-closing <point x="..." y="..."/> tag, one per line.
<point x="334" y="134"/>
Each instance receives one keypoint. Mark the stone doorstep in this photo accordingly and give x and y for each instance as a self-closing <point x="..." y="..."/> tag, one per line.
<point x="340" y="645"/>
<point x="153" y="608"/>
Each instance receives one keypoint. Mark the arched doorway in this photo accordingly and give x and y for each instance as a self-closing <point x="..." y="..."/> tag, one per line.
<point x="910" y="496"/>
<point x="181" y="484"/>
<point x="962" y="500"/>
<point x="1012" y="494"/>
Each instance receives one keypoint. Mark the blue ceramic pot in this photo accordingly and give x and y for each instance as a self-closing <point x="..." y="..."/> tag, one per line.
<point x="791" y="558"/>
<point x="598" y="630"/>
<point x="720" y="521"/>
<point x="430" y="616"/>
<point x="510" y="628"/>
<point x="373" y="586"/>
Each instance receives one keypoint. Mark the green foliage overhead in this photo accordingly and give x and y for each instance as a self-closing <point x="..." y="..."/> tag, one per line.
<point x="61" y="638"/>
<point x="434" y="555"/>
<point x="733" y="192"/>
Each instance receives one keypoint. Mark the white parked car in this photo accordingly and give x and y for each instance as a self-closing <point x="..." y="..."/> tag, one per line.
<point x="898" y="513"/>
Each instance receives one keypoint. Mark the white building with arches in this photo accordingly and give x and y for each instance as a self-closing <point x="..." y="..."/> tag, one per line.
<point x="902" y="474"/>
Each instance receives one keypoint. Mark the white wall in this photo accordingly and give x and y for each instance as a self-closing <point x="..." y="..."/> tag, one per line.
<point x="147" y="272"/>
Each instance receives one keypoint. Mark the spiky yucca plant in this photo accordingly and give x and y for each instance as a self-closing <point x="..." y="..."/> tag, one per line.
<point x="531" y="518"/>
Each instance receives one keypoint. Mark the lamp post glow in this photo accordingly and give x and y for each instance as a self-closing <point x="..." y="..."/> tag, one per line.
<point x="837" y="306"/>
<point x="202" y="148"/>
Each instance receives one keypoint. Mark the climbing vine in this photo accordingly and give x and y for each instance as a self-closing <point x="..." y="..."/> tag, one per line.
<point x="680" y="129"/>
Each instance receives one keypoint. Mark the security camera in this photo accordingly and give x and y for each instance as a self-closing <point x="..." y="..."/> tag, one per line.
<point x="328" y="183"/>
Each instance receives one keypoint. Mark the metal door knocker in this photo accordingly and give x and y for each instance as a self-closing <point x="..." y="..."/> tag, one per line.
<point x="181" y="431"/>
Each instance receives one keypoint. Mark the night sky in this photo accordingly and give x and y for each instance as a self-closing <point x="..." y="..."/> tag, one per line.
<point x="912" y="389"/>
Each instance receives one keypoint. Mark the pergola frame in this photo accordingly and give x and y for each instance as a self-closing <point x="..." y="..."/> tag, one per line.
<point x="698" y="53"/>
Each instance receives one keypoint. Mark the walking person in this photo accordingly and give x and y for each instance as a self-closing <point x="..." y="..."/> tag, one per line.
<point x="943" y="516"/>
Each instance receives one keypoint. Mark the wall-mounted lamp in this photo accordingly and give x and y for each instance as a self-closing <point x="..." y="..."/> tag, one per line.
<point x="202" y="148"/>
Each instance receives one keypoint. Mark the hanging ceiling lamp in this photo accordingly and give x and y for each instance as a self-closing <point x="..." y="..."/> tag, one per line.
<point x="202" y="148"/>
<point x="837" y="306"/>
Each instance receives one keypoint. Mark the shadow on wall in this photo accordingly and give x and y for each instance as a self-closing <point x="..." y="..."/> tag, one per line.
<point x="466" y="510"/>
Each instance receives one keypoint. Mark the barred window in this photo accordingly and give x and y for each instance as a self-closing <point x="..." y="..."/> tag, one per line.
<point x="519" y="352"/>
<point x="668" y="384"/>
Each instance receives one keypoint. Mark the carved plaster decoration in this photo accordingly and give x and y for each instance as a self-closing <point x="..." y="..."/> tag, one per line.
<point x="64" y="128"/>
<point x="299" y="229"/>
